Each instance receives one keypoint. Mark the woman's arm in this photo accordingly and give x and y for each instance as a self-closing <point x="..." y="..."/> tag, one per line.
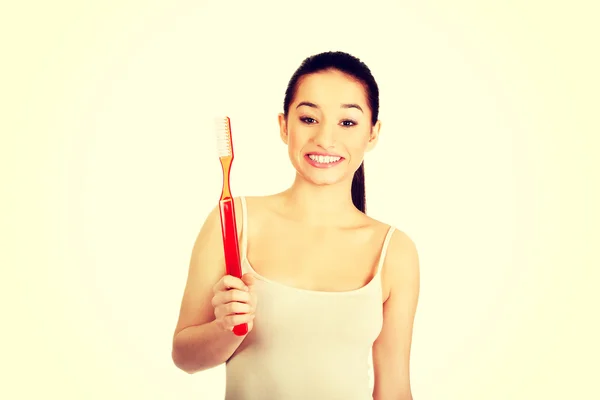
<point x="198" y="344"/>
<point x="391" y="350"/>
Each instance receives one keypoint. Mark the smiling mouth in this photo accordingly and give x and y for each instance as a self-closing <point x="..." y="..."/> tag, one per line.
<point x="324" y="159"/>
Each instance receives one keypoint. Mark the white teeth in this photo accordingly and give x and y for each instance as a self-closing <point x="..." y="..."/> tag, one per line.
<point x="323" y="159"/>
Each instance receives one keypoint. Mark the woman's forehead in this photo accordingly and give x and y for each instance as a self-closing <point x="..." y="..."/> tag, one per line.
<point x="331" y="87"/>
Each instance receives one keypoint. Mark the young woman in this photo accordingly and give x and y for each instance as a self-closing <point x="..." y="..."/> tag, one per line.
<point x="324" y="285"/>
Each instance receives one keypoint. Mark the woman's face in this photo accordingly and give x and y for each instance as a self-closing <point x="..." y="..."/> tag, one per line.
<point x="328" y="129"/>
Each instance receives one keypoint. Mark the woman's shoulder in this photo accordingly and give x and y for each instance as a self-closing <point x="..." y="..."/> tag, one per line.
<point x="380" y="225"/>
<point x="257" y="203"/>
<point x="401" y="263"/>
<point x="258" y="206"/>
<point x="400" y="243"/>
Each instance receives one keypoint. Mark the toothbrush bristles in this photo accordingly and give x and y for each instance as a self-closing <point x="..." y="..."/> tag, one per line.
<point x="223" y="131"/>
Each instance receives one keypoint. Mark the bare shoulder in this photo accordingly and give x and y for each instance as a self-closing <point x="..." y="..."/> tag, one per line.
<point x="209" y="240"/>
<point x="401" y="246"/>
<point x="212" y="225"/>
<point x="401" y="263"/>
<point x="253" y="201"/>
<point x="261" y="205"/>
<point x="399" y="240"/>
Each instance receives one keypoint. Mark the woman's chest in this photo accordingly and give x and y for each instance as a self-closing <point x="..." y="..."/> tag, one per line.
<point x="309" y="259"/>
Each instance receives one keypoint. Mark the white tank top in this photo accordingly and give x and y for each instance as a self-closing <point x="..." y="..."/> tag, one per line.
<point x="305" y="344"/>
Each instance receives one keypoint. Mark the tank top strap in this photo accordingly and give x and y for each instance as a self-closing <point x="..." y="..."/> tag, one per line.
<point x="384" y="248"/>
<point x="244" y="247"/>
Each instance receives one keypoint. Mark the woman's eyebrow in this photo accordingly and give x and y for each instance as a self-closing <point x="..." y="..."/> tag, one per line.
<point x="308" y="104"/>
<point x="352" y="106"/>
<point x="313" y="105"/>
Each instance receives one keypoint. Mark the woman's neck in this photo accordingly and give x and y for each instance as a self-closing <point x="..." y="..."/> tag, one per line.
<point x="319" y="204"/>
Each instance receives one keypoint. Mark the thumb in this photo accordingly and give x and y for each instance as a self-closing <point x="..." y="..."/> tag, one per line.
<point x="249" y="279"/>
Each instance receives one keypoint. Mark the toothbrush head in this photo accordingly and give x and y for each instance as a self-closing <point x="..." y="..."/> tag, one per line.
<point x="223" y="131"/>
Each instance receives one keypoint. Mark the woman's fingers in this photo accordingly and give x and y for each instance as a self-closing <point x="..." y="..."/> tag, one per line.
<point x="234" y="301"/>
<point x="230" y="321"/>
<point x="229" y="282"/>
<point x="233" y="308"/>
<point x="232" y="295"/>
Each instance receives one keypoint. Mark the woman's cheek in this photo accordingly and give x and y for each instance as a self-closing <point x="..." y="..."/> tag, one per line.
<point x="358" y="145"/>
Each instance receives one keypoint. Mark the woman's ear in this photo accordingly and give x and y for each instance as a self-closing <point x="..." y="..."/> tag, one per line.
<point x="374" y="136"/>
<point x="283" y="128"/>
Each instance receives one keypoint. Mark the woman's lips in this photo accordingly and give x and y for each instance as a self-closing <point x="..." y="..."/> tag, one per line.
<point x="321" y="160"/>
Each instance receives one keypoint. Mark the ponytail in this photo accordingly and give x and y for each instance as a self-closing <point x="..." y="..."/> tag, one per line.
<point x="359" y="197"/>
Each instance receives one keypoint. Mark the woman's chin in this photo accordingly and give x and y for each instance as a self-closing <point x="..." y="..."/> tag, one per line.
<point x="322" y="178"/>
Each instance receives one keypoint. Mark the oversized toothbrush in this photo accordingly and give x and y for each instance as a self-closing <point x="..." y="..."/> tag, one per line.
<point x="227" y="209"/>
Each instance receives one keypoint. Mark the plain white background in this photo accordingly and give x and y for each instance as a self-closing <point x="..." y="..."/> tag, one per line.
<point x="485" y="160"/>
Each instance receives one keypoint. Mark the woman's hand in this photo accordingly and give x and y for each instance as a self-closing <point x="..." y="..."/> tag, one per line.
<point x="234" y="301"/>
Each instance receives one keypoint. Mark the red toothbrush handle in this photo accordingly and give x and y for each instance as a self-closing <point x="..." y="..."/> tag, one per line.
<point x="231" y="248"/>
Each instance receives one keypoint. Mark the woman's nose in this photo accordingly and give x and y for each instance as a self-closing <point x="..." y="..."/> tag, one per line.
<point x="324" y="136"/>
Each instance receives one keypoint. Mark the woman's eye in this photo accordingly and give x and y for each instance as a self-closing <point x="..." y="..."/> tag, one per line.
<point x="310" y="121"/>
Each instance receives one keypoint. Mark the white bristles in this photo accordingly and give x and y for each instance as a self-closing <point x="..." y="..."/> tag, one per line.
<point x="223" y="136"/>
